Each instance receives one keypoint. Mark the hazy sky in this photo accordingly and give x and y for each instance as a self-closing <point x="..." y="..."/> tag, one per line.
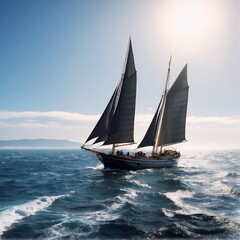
<point x="62" y="59"/>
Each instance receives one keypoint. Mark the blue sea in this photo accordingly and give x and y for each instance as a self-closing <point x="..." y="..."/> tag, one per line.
<point x="67" y="194"/>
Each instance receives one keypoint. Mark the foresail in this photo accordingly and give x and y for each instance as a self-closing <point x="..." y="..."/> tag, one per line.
<point x="122" y="125"/>
<point x="174" y="118"/>
<point x="101" y="129"/>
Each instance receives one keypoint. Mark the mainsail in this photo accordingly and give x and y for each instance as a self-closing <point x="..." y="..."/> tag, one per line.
<point x="116" y="124"/>
<point x="173" y="118"/>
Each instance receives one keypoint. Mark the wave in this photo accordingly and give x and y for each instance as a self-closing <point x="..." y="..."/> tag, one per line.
<point x="178" y="196"/>
<point x="225" y="174"/>
<point x="70" y="227"/>
<point x="219" y="188"/>
<point x="97" y="167"/>
<point x="138" y="183"/>
<point x="14" y="214"/>
<point x="85" y="223"/>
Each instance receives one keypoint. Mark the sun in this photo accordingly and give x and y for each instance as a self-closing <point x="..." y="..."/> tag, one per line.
<point x="188" y="20"/>
<point x="190" y="24"/>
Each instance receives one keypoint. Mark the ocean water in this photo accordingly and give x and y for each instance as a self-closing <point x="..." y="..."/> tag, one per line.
<point x="66" y="194"/>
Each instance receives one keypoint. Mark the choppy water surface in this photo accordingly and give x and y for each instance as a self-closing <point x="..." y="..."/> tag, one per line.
<point x="56" y="194"/>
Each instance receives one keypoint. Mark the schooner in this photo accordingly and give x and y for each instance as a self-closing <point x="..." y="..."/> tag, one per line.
<point x="116" y="125"/>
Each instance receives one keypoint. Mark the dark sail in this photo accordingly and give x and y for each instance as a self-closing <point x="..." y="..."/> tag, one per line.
<point x="101" y="128"/>
<point x="149" y="137"/>
<point x="122" y="125"/>
<point x="116" y="124"/>
<point x="174" y="117"/>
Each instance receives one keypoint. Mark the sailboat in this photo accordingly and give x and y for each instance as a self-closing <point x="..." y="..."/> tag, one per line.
<point x="116" y="125"/>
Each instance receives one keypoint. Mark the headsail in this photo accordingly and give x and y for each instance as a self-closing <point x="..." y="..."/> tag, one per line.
<point x="116" y="124"/>
<point x="101" y="128"/>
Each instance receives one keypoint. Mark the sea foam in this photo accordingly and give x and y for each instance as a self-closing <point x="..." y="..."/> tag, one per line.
<point x="16" y="213"/>
<point x="178" y="196"/>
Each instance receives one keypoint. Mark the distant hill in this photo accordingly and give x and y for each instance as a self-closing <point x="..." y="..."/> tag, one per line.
<point x="38" y="143"/>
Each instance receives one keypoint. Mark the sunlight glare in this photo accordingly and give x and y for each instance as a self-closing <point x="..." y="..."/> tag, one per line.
<point x="190" y="25"/>
<point x="188" y="20"/>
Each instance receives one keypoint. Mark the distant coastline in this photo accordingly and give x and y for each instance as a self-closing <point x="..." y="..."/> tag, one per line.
<point x="39" y="144"/>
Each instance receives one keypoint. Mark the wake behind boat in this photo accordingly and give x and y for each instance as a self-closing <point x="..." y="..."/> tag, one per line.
<point x="116" y="125"/>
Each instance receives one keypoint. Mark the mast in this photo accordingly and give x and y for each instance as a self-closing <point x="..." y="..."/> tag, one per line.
<point x="160" y="119"/>
<point x="113" y="148"/>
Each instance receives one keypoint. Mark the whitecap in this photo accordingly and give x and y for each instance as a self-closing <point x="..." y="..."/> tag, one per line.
<point x="128" y="197"/>
<point x="225" y="174"/>
<point x="131" y="194"/>
<point x="14" y="214"/>
<point x="178" y="196"/>
<point x="167" y="212"/>
<point x="218" y="188"/>
<point x="97" y="167"/>
<point x="138" y="183"/>
<point x="62" y="230"/>
<point x="112" y="212"/>
<point x="121" y="200"/>
<point x="101" y="216"/>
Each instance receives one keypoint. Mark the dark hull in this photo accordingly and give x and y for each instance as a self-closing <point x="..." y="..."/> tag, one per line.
<point x="134" y="163"/>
